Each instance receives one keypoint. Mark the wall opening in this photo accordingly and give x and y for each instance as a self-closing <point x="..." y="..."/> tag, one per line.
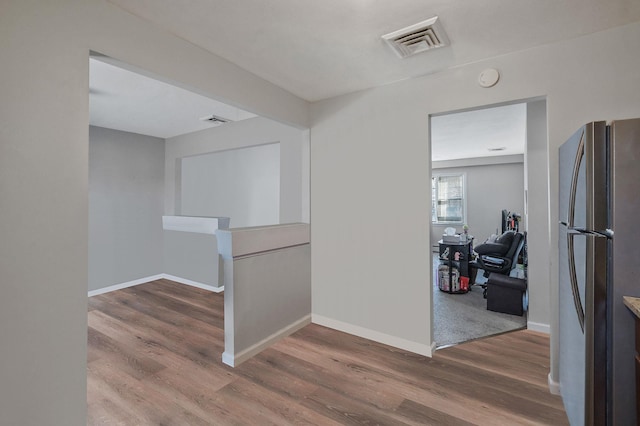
<point x="492" y="146"/>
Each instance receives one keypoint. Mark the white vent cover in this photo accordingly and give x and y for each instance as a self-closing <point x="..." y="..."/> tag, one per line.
<point x="417" y="38"/>
<point x="215" y="119"/>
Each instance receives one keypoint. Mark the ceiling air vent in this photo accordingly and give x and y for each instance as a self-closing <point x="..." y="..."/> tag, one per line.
<point x="417" y="38"/>
<point x="215" y="119"/>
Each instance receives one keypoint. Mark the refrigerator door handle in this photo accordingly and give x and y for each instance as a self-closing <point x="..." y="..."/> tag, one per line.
<point x="575" y="291"/>
<point x="574" y="183"/>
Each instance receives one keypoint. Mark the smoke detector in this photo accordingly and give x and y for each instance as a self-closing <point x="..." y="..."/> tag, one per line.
<point x="417" y="38"/>
<point x="215" y="119"/>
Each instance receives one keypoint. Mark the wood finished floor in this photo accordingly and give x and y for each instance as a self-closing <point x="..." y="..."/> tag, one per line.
<point x="154" y="358"/>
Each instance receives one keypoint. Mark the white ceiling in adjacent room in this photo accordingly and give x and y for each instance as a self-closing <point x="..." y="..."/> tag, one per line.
<point x="124" y="100"/>
<point x="321" y="49"/>
<point x="479" y="133"/>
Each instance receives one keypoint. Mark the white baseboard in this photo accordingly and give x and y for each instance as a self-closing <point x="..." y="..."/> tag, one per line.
<point x="153" y="278"/>
<point x="125" y="285"/>
<point x="193" y="283"/>
<point x="234" y="360"/>
<point x="376" y="336"/>
<point x="554" y="387"/>
<point x="536" y="326"/>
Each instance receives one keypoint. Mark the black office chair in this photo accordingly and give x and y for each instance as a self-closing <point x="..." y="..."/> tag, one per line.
<point x="500" y="256"/>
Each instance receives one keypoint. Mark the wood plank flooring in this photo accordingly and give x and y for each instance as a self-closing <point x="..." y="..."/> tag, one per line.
<point x="154" y="358"/>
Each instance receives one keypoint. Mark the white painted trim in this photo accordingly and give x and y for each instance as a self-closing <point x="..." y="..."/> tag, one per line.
<point x="554" y="387"/>
<point x="227" y="359"/>
<point x="537" y="326"/>
<point x="235" y="360"/>
<point x="198" y="225"/>
<point x="193" y="283"/>
<point x="376" y="336"/>
<point x="125" y="285"/>
<point x="238" y="242"/>
<point x="153" y="278"/>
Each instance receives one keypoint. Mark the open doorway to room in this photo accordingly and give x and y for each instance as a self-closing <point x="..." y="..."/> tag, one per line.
<point x="158" y="150"/>
<point x="132" y="118"/>
<point x="479" y="191"/>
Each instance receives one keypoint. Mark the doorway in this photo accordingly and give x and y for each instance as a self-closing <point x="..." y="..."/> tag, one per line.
<point x="486" y="152"/>
<point x="149" y="142"/>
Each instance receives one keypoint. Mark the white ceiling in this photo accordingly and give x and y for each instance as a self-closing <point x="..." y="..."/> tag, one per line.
<point x="128" y="101"/>
<point x="476" y="133"/>
<point x="124" y="100"/>
<point x="320" y="49"/>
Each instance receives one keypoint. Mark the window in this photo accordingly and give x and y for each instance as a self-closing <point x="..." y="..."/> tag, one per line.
<point x="447" y="199"/>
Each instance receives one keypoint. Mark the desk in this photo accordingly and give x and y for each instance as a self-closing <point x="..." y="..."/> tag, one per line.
<point x="463" y="251"/>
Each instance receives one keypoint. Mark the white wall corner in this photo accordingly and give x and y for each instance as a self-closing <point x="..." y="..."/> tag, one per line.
<point x="154" y="278"/>
<point x="376" y="336"/>
<point x="124" y="285"/>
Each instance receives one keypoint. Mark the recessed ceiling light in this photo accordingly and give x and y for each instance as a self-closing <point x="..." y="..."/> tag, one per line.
<point x="501" y="148"/>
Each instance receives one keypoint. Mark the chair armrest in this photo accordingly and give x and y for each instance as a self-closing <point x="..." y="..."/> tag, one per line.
<point x="492" y="248"/>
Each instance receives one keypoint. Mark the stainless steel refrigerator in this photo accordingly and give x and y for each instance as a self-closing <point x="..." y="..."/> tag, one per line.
<point x="599" y="246"/>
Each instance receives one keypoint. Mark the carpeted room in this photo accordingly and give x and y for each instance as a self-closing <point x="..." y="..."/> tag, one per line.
<point x="478" y="167"/>
<point x="461" y="317"/>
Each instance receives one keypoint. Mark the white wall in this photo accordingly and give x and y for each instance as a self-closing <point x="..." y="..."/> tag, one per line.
<point x="370" y="232"/>
<point x="369" y="173"/>
<point x="279" y="151"/>
<point x="126" y="201"/>
<point x="194" y="257"/>
<point x="44" y="121"/>
<point x="267" y="284"/>
<point x="490" y="188"/>
<point x="371" y="210"/>
<point x="127" y="197"/>
<point x="242" y="184"/>
<point x="294" y="181"/>
<point x="537" y="168"/>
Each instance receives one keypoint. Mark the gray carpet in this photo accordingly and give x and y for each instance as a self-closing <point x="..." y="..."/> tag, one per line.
<point x="462" y="317"/>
